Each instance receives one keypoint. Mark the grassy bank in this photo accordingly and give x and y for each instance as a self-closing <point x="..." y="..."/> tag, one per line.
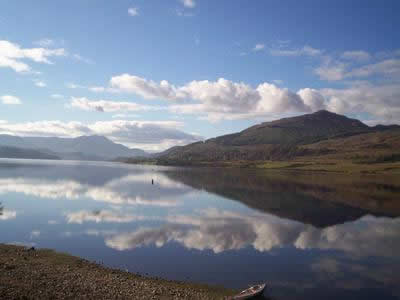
<point x="333" y="165"/>
<point x="45" y="274"/>
<point x="301" y="164"/>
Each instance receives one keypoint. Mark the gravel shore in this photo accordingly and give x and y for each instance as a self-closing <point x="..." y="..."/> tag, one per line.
<point x="44" y="274"/>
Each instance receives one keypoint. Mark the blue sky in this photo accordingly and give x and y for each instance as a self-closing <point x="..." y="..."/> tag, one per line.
<point x="129" y="69"/>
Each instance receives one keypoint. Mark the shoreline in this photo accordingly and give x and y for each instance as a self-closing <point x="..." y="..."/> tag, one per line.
<point x="28" y="273"/>
<point x="313" y="165"/>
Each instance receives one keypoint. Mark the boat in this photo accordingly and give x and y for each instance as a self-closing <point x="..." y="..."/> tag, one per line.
<point x="251" y="292"/>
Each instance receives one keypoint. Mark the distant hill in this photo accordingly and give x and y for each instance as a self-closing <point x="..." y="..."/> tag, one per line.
<point x="14" y="152"/>
<point x="282" y="139"/>
<point x="81" y="148"/>
<point x="297" y="130"/>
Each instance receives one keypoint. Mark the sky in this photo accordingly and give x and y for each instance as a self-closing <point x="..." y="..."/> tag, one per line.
<point x="153" y="74"/>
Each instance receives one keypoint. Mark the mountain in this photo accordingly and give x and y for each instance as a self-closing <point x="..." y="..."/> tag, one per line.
<point x="282" y="139"/>
<point x="297" y="130"/>
<point x="14" y="152"/>
<point x="82" y="148"/>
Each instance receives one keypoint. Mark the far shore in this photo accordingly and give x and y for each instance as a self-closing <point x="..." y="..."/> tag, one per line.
<point x="28" y="273"/>
<point x="307" y="165"/>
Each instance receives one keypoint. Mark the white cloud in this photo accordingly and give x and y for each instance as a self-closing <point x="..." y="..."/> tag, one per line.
<point x="388" y="67"/>
<point x="109" y="106"/>
<point x="10" y="100"/>
<point x="377" y="100"/>
<point x="312" y="99"/>
<point x="148" y="89"/>
<point x="229" y="100"/>
<point x="358" y="55"/>
<point x="133" y="11"/>
<point x="348" y="66"/>
<point x="306" y="50"/>
<point x="40" y="83"/>
<point x="259" y="47"/>
<point x="12" y="56"/>
<point x="189" y="3"/>
<point x="331" y="70"/>
<point x="221" y="99"/>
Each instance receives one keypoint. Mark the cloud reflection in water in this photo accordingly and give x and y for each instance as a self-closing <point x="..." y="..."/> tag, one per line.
<point x="222" y="230"/>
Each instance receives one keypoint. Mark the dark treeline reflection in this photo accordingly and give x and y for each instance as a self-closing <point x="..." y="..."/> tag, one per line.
<point x="319" y="199"/>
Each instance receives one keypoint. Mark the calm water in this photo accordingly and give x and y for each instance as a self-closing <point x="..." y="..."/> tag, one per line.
<point x="308" y="236"/>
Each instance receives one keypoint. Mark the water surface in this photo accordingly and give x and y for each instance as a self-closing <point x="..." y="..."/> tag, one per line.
<point x="306" y="235"/>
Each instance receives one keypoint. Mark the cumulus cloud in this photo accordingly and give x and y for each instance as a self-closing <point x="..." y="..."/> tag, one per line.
<point x="377" y="100"/>
<point x="220" y="99"/>
<point x="148" y="89"/>
<point x="150" y="135"/>
<point x="278" y="100"/>
<point x="10" y="100"/>
<point x="312" y="99"/>
<point x="388" y="67"/>
<point x="14" y="57"/>
<point x="331" y="70"/>
<point x="109" y="106"/>
<point x="348" y="67"/>
<point x="224" y="99"/>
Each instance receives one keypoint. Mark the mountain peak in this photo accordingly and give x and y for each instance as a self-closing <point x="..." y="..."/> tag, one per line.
<point x="99" y="138"/>
<point x="324" y="112"/>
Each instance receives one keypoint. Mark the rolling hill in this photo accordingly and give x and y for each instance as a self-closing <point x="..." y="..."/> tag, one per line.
<point x="81" y="148"/>
<point x="318" y="134"/>
<point x="14" y="152"/>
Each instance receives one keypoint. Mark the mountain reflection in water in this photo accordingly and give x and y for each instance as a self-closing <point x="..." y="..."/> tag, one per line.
<point x="308" y="236"/>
